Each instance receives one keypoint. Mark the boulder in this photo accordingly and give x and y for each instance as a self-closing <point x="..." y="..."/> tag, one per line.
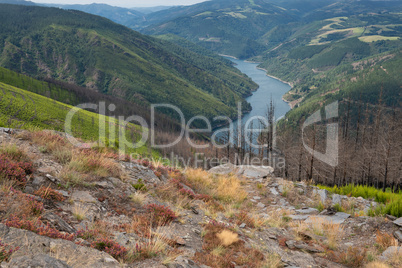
<point x="307" y="211"/>
<point x="338" y="218"/>
<point x="58" y="223"/>
<point x="398" y="235"/>
<point x="398" y="222"/>
<point x="48" y="252"/>
<point x="337" y="199"/>
<point x="40" y="260"/>
<point x="248" y="171"/>
<point x="391" y="252"/>
<point x="83" y="197"/>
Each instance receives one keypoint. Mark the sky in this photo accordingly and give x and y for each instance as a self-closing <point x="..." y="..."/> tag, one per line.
<point x="124" y="3"/>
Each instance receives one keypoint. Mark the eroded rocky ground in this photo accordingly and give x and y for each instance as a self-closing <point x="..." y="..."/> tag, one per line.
<point x="87" y="208"/>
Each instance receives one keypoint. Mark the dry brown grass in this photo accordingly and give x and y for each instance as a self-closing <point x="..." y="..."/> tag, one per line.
<point x="236" y="253"/>
<point x="384" y="240"/>
<point x="273" y="261"/>
<point x="227" y="238"/>
<point x="50" y="140"/>
<point x="377" y="264"/>
<point x="139" y="198"/>
<point x="299" y="227"/>
<point x="333" y="232"/>
<point x="79" y="211"/>
<point x="94" y="163"/>
<point x="279" y="218"/>
<point x="227" y="189"/>
<point x="352" y="257"/>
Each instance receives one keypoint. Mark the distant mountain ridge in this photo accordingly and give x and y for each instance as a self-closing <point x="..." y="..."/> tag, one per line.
<point x="94" y="52"/>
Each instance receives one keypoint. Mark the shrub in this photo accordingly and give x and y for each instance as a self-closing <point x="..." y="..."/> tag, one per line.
<point x="6" y="251"/>
<point x="384" y="240"/>
<point x="243" y="217"/>
<point x="14" y="170"/>
<point x="37" y="227"/>
<point x="111" y="247"/>
<point x="160" y="214"/>
<point x="352" y="257"/>
<point x="140" y="186"/>
<point x="22" y="204"/>
<point x="392" y="201"/>
<point x="49" y="194"/>
<point x="227" y="237"/>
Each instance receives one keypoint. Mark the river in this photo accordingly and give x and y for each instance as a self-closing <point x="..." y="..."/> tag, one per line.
<point x="269" y="87"/>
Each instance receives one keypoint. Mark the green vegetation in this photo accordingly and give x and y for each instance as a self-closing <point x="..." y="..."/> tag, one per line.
<point x="26" y="110"/>
<point x="391" y="202"/>
<point x="93" y="52"/>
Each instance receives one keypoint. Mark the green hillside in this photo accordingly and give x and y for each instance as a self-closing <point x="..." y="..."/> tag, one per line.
<point x="228" y="27"/>
<point x="26" y="110"/>
<point x="332" y="54"/>
<point x="93" y="52"/>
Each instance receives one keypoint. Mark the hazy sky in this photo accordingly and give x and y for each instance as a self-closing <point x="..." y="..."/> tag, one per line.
<point x="124" y="3"/>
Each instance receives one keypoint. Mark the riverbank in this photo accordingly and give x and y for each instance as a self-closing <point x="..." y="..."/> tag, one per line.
<point x="228" y="56"/>
<point x="277" y="78"/>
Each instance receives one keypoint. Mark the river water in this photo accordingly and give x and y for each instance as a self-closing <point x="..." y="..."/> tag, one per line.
<point x="269" y="88"/>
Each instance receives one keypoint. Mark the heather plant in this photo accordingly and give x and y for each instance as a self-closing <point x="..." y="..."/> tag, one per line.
<point x="6" y="251"/>
<point x="14" y="170"/>
<point x="111" y="247"/>
<point x="161" y="215"/>
<point x="21" y="204"/>
<point x="49" y="194"/>
<point x="36" y="226"/>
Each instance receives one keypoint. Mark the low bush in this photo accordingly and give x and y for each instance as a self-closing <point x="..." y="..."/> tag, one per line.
<point x="14" y="170"/>
<point x="6" y="251"/>
<point x="49" y="194"/>
<point x="111" y="247"/>
<point x="36" y="226"/>
<point x="160" y="215"/>
<point x="392" y="201"/>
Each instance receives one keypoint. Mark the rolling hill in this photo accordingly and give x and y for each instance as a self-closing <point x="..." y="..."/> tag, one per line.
<point x="23" y="109"/>
<point x="94" y="52"/>
<point x="227" y="27"/>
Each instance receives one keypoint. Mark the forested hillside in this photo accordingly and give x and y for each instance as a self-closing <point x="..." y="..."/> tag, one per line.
<point x="93" y="52"/>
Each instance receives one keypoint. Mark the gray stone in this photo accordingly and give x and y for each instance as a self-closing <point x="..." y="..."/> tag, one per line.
<point x="336" y="199"/>
<point x="307" y="211"/>
<point x="38" y="181"/>
<point x="398" y="235"/>
<point x="243" y="225"/>
<point x="104" y="184"/>
<point x="323" y="194"/>
<point x="32" y="245"/>
<point x="274" y="191"/>
<point x="256" y="198"/>
<point x="398" y="222"/>
<point x="299" y="217"/>
<point x="53" y="179"/>
<point x="40" y="260"/>
<point x="183" y="262"/>
<point x="83" y="196"/>
<point x="280" y="188"/>
<point x="390" y="252"/>
<point x="58" y="222"/>
<point x="338" y="218"/>
<point x="254" y="172"/>
<point x="260" y="205"/>
<point x="63" y="193"/>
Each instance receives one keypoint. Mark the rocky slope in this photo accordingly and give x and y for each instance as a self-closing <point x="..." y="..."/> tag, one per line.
<point x="111" y="212"/>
